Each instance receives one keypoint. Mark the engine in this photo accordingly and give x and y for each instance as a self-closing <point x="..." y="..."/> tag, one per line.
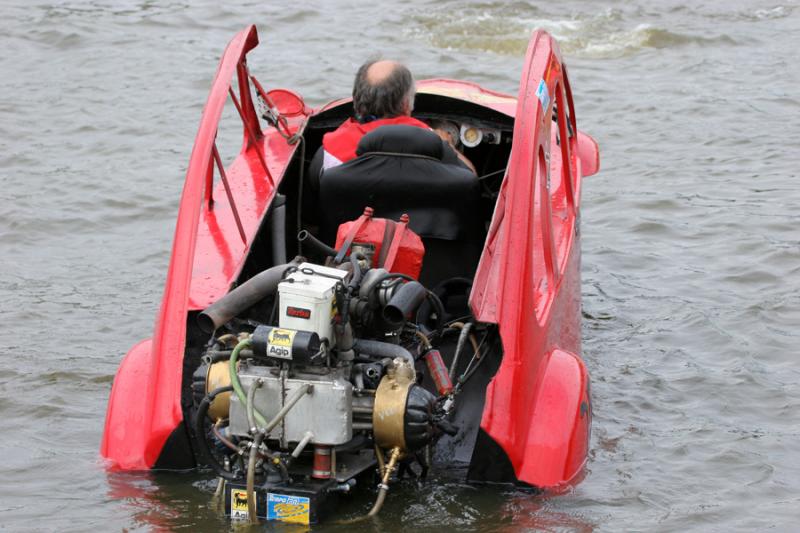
<point x="298" y="402"/>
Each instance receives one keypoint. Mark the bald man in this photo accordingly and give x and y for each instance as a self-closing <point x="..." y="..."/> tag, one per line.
<point x="383" y="94"/>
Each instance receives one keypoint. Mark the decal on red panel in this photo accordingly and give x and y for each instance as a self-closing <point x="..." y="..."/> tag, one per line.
<point x="543" y="95"/>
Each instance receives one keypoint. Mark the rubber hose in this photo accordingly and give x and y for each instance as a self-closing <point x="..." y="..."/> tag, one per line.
<point x="376" y="508"/>
<point x="357" y="273"/>
<point x="404" y="301"/>
<point x="383" y="488"/>
<point x="242" y="297"/>
<point x="277" y="224"/>
<point x="382" y="349"/>
<point x="251" y="405"/>
<point x="221" y="438"/>
<point x="317" y="245"/>
<point x="437" y="304"/>
<point x="251" y="479"/>
<point x="462" y="340"/>
<point x="237" y="385"/>
<point x="200" y="432"/>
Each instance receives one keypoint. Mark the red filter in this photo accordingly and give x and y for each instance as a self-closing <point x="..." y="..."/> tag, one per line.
<point x="439" y="373"/>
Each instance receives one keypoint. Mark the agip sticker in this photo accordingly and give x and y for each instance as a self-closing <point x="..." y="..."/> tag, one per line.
<point x="239" y="504"/>
<point x="279" y="343"/>
<point x="292" y="509"/>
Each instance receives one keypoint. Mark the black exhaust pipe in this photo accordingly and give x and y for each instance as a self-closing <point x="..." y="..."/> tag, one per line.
<point x="405" y="301"/>
<point x="245" y="295"/>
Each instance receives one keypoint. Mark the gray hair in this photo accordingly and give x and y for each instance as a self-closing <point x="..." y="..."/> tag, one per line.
<point x="392" y="96"/>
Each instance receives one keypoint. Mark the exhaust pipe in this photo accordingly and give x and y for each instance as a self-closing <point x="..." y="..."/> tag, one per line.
<point x="245" y="295"/>
<point x="405" y="300"/>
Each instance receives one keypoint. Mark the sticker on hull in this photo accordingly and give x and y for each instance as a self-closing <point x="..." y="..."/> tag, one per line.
<point x="239" y="504"/>
<point x="543" y="95"/>
<point x="292" y="509"/>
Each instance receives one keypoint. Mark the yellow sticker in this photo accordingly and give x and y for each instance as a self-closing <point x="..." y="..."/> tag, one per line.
<point x="239" y="504"/>
<point x="292" y="509"/>
<point x="279" y="343"/>
<point x="281" y="337"/>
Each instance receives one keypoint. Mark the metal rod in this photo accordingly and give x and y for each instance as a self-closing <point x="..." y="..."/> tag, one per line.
<point x="228" y="192"/>
<point x="209" y="192"/>
<point x="280" y="120"/>
<point x="251" y="405"/>
<point x="251" y="135"/>
<point x="362" y="425"/>
<point x="302" y="444"/>
<point x="304" y="389"/>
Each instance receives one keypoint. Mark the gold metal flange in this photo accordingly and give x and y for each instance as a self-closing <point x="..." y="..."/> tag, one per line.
<point x="391" y="396"/>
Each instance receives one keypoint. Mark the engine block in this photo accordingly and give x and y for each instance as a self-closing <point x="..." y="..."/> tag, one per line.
<point x="327" y="411"/>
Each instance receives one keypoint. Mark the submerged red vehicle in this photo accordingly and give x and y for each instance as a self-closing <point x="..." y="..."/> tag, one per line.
<point x="484" y="344"/>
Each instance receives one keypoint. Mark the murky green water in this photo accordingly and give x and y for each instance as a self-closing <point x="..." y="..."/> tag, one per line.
<point x="691" y="240"/>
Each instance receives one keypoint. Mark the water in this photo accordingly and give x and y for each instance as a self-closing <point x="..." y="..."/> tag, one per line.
<point x="691" y="271"/>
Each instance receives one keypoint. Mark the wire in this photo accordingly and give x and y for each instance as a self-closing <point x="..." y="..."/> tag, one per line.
<point x="300" y="180"/>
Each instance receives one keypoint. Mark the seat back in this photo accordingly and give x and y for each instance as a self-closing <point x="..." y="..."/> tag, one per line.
<point x="400" y="169"/>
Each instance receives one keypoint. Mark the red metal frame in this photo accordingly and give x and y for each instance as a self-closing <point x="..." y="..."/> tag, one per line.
<point x="528" y="281"/>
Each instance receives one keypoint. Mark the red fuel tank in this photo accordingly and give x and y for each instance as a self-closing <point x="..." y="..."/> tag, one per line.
<point x="395" y="247"/>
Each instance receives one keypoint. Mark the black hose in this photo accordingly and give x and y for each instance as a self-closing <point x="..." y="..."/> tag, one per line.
<point x="300" y="185"/>
<point x="436" y="302"/>
<point x="375" y="285"/>
<point x="245" y="295"/>
<point x="200" y="431"/>
<point x="382" y="349"/>
<point x="404" y="301"/>
<point x="357" y="272"/>
<point x="317" y="245"/>
<point x="277" y="223"/>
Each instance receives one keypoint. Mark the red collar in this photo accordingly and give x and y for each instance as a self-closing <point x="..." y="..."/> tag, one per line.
<point x="342" y="142"/>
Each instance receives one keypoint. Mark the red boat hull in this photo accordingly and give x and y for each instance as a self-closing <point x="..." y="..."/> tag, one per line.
<point x="537" y="407"/>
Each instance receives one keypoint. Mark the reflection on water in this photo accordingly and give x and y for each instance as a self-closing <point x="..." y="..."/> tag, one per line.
<point x="690" y="264"/>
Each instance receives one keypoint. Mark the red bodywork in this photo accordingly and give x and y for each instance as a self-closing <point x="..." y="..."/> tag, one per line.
<point x="537" y="406"/>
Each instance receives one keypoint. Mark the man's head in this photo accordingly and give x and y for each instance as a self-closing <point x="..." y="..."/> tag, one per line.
<point x="383" y="89"/>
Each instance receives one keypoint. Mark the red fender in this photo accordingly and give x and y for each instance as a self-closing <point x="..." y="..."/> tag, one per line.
<point x="588" y="155"/>
<point x="528" y="282"/>
<point x="119" y="441"/>
<point x="558" y="439"/>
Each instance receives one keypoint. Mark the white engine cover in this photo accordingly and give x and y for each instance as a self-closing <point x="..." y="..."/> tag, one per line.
<point x="307" y="300"/>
